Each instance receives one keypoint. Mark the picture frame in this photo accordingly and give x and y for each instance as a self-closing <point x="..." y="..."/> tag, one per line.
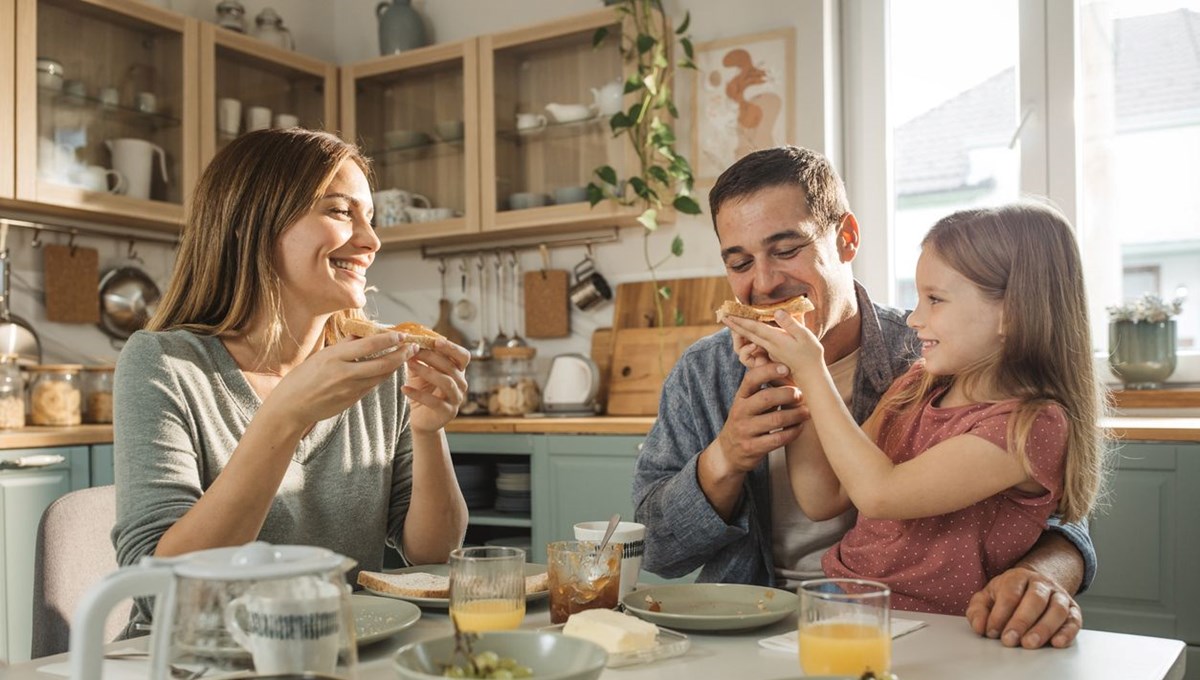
<point x="743" y="99"/>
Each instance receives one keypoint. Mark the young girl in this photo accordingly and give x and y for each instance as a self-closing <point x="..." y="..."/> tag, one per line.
<point x="994" y="429"/>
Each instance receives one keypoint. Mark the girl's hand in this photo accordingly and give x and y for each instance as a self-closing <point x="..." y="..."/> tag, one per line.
<point x="436" y="385"/>
<point x="790" y="344"/>
<point x="749" y="354"/>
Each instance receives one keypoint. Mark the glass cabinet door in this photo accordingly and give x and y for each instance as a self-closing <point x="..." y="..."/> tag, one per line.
<point x="8" y="35"/>
<point x="248" y="84"/>
<point x="416" y="116"/>
<point x="106" y="91"/>
<point x="545" y="127"/>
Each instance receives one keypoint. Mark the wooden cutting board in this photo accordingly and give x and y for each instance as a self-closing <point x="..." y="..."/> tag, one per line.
<point x="602" y="352"/>
<point x="547" y="314"/>
<point x="697" y="298"/>
<point x="72" y="276"/>
<point x="641" y="359"/>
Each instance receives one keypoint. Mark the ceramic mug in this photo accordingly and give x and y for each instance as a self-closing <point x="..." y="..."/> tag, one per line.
<point x="229" y="115"/>
<point x="146" y="102"/>
<point x="258" y="118"/>
<point x="391" y="206"/>
<point x="590" y="288"/>
<point x="286" y="120"/>
<point x="632" y="537"/>
<point x="95" y="178"/>
<point x="290" y="630"/>
<point x="109" y="97"/>
<point x="530" y="121"/>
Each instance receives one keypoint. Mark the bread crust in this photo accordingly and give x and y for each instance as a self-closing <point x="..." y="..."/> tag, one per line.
<point x="421" y="584"/>
<point x="413" y="332"/>
<point x="797" y="307"/>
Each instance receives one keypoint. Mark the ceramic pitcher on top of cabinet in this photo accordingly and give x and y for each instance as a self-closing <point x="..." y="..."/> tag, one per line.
<point x="400" y="27"/>
<point x="134" y="159"/>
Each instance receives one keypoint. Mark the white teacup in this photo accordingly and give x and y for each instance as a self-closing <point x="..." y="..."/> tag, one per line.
<point x="631" y="535"/>
<point x="289" y="630"/>
<point x="146" y="102"/>
<point x="530" y="121"/>
<point x="95" y="178"/>
<point x="391" y="206"/>
<point x="229" y="115"/>
<point x="258" y="118"/>
<point x="286" y="120"/>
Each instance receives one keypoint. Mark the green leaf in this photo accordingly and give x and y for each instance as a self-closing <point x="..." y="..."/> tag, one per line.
<point x="664" y="136"/>
<point x="633" y="84"/>
<point x="677" y="246"/>
<point x="649" y="219"/>
<point x="679" y="320"/>
<point x="687" y="19"/>
<point x="660" y="60"/>
<point x="599" y="36"/>
<point x="645" y="43"/>
<point x="640" y="187"/>
<point x="686" y="205"/>
<point x="665" y="292"/>
<point x="688" y="63"/>
<point x="659" y="173"/>
<point x="594" y="193"/>
<point x="671" y="108"/>
<point x="607" y="174"/>
<point x="635" y="111"/>
<point x="688" y="49"/>
<point x="620" y="121"/>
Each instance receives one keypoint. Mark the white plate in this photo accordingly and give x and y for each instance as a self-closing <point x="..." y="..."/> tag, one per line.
<point x="376" y="619"/>
<point x="669" y="644"/>
<point x="444" y="570"/>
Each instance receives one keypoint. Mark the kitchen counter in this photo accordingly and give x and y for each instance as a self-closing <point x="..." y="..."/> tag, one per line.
<point x="1123" y="428"/>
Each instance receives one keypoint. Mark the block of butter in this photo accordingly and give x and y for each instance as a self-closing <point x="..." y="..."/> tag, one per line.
<point x="611" y="630"/>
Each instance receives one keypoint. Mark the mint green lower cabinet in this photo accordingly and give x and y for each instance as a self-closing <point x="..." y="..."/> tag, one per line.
<point x="1148" y="547"/>
<point x="587" y="479"/>
<point x="25" y="492"/>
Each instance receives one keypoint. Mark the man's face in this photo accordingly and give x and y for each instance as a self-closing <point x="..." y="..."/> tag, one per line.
<point x="774" y="251"/>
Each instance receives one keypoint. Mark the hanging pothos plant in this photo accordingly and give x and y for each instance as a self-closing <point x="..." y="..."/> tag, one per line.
<point x="662" y="174"/>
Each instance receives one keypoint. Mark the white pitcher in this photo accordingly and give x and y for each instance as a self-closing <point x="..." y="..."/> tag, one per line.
<point x="134" y="159"/>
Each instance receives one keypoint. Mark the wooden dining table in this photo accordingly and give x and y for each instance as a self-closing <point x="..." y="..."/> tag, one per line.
<point x="945" y="649"/>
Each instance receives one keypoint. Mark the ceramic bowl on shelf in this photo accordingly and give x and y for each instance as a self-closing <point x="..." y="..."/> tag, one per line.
<point x="449" y="130"/>
<point x="523" y="200"/>
<point x="563" y="195"/>
<point x="404" y="139"/>
<point x="49" y="74"/>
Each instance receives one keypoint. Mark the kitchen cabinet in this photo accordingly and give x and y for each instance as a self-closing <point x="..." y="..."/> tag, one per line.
<point x="1148" y="547"/>
<point x="126" y="98"/>
<point x="243" y="78"/>
<point x="25" y="492"/>
<point x="8" y="36"/>
<point x="441" y="122"/>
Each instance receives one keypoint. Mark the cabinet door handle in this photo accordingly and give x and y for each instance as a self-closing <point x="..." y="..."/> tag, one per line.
<point x="35" y="461"/>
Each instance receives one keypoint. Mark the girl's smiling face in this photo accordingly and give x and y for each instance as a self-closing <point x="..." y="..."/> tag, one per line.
<point x="958" y="325"/>
<point x="323" y="257"/>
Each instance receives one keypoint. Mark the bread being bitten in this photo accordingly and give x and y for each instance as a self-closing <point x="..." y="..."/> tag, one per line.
<point x="796" y="307"/>
<point x="414" y="332"/>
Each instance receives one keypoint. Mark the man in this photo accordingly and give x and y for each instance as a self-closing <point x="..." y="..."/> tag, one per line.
<point x="711" y="482"/>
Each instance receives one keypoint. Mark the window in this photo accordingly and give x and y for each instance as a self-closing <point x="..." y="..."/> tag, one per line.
<point x="1094" y="104"/>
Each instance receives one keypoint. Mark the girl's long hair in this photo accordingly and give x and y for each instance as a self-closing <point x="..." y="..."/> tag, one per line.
<point x="226" y="275"/>
<point x="1025" y="255"/>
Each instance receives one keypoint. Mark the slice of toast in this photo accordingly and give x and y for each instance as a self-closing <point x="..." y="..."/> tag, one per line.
<point x="536" y="583"/>
<point x="411" y="584"/>
<point x="413" y="332"/>
<point x="797" y="307"/>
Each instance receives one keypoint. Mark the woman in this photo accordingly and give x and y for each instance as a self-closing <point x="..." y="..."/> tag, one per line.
<point x="245" y="414"/>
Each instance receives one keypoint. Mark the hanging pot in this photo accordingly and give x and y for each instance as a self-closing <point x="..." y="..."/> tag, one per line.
<point x="128" y="298"/>
<point x="16" y="335"/>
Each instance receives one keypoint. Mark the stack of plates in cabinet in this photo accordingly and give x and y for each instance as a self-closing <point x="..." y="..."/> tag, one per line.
<point x="475" y="480"/>
<point x="512" y="487"/>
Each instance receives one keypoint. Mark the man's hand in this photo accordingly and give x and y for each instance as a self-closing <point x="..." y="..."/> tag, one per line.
<point x="1022" y="606"/>
<point x="762" y="418"/>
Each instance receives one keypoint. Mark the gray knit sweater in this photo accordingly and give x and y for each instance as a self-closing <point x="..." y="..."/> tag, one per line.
<point x="181" y="407"/>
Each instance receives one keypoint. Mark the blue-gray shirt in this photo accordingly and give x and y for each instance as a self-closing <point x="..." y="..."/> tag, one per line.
<point x="683" y="531"/>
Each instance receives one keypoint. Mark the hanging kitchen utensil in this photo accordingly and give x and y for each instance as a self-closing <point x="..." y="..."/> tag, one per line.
<point x="443" y="324"/>
<point x="128" y="298"/>
<point x="16" y="335"/>
<point x="546" y="311"/>
<point x="71" y="276"/>
<point x="482" y="349"/>
<point x="514" y="287"/>
<point x="464" y="309"/>
<point x="501" y="339"/>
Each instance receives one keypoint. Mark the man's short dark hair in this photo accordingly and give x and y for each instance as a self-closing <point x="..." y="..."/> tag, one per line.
<point x="824" y="193"/>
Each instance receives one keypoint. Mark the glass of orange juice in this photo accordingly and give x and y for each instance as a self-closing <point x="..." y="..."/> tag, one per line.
<point x="845" y="627"/>
<point x="487" y="588"/>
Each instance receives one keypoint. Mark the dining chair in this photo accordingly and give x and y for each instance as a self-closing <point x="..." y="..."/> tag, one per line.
<point x="74" y="552"/>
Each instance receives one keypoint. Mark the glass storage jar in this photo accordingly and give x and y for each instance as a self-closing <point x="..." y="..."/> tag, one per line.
<point x="479" y="385"/>
<point x="98" y="394"/>
<point x="515" y="388"/>
<point x="12" y="394"/>
<point x="54" y="394"/>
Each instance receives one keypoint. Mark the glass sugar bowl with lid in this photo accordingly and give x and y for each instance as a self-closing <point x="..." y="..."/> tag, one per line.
<point x="98" y="394"/>
<point x="55" y="397"/>
<point x="12" y="394"/>
<point x="515" y="388"/>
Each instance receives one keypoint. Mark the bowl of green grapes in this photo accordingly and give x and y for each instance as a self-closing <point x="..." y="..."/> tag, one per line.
<point x="502" y="655"/>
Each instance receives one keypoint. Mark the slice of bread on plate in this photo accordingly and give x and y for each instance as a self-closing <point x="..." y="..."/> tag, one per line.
<point x="413" y="332"/>
<point x="796" y="307"/>
<point x="410" y="584"/>
<point x="536" y="583"/>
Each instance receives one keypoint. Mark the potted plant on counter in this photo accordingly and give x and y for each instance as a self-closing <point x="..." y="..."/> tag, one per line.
<point x="662" y="176"/>
<point x="1141" y="341"/>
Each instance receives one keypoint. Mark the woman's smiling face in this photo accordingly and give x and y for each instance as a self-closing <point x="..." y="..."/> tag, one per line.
<point x="323" y="257"/>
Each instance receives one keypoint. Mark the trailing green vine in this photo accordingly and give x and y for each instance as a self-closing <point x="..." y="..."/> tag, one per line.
<point x="662" y="174"/>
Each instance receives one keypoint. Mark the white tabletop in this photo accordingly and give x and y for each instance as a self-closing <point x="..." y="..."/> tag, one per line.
<point x="944" y="650"/>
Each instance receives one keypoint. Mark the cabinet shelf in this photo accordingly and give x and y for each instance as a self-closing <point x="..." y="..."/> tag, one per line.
<point x="492" y="518"/>
<point x="550" y="131"/>
<point x="106" y="112"/>
<point x="407" y="154"/>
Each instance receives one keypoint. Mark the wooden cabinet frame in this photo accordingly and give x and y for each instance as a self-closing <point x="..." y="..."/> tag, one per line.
<point x="8" y="73"/>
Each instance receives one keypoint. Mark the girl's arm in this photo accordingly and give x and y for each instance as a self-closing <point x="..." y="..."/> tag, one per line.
<point x="950" y="476"/>
<point x="814" y="483"/>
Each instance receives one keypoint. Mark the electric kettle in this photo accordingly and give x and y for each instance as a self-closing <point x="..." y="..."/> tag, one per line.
<point x="572" y="386"/>
<point x="270" y="609"/>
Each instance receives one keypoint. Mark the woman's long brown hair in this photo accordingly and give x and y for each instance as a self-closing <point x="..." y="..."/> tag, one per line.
<point x="1025" y="255"/>
<point x="226" y="275"/>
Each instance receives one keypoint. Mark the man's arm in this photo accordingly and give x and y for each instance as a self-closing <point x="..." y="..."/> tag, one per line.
<point x="1031" y="604"/>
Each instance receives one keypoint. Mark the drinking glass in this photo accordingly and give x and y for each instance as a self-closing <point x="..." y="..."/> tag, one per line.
<point x="845" y="627"/>
<point x="582" y="577"/>
<point x="487" y="588"/>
